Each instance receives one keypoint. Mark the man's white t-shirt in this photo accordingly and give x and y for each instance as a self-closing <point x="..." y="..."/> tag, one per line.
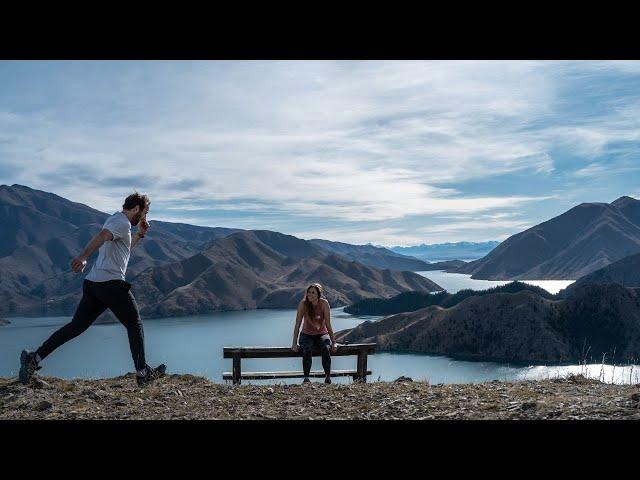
<point x="113" y="256"/>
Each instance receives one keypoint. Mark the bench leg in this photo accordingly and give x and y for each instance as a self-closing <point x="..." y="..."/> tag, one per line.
<point x="361" y="367"/>
<point x="237" y="371"/>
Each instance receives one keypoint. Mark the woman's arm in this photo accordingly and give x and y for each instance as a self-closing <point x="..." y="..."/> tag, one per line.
<point x="296" y="329"/>
<point x="327" y="315"/>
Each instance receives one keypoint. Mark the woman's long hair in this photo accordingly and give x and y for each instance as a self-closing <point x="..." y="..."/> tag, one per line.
<point x="308" y="306"/>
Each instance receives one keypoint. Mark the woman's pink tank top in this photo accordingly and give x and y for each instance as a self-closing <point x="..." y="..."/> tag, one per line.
<point x="308" y="328"/>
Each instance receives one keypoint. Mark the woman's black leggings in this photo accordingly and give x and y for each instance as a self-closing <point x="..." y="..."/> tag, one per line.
<point x="307" y="343"/>
<point x="96" y="298"/>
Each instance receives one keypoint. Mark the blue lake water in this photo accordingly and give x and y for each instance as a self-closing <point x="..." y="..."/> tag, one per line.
<point x="194" y="345"/>
<point x="452" y="282"/>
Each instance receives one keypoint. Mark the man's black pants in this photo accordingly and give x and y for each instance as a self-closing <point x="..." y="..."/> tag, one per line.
<point x="96" y="298"/>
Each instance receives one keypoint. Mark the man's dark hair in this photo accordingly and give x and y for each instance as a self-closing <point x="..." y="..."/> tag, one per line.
<point x="135" y="199"/>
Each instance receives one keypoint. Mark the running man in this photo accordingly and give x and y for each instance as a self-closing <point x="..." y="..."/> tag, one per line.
<point x="105" y="287"/>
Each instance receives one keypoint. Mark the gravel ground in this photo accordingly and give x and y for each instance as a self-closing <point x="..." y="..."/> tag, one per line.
<point x="190" y="397"/>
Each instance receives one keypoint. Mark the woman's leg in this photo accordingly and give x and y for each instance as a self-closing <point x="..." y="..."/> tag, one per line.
<point x="306" y="343"/>
<point x="326" y="355"/>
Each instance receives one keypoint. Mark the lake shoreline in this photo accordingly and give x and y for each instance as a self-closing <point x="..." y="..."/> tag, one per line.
<point x="506" y="361"/>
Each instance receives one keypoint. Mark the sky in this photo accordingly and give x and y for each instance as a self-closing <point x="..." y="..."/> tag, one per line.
<point x="383" y="152"/>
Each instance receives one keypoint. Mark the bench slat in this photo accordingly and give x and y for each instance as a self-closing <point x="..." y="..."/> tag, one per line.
<point x="284" y="352"/>
<point x="296" y="374"/>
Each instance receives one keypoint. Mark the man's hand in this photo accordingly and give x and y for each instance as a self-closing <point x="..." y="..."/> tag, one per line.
<point x="334" y="348"/>
<point x="143" y="226"/>
<point x="78" y="264"/>
<point x="294" y="347"/>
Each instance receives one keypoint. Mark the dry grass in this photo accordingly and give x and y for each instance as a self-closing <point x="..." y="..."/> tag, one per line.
<point x="190" y="397"/>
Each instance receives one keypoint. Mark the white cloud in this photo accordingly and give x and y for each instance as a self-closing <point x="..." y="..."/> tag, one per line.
<point x="591" y="170"/>
<point x="599" y="169"/>
<point x="482" y="225"/>
<point x="357" y="141"/>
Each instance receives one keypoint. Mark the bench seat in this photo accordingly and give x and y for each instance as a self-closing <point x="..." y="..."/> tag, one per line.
<point x="295" y="374"/>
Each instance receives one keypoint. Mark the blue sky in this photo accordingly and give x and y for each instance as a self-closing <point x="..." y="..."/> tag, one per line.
<point x="387" y="152"/>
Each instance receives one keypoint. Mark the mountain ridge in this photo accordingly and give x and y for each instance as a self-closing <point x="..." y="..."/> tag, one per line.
<point x="40" y="239"/>
<point x="575" y="243"/>
<point x="371" y="255"/>
<point x="263" y="269"/>
<point x="625" y="272"/>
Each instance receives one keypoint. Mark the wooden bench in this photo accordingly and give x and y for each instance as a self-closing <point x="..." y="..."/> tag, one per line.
<point x="238" y="353"/>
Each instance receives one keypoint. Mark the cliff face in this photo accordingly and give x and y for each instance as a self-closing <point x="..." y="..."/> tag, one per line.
<point x="584" y="239"/>
<point x="594" y="320"/>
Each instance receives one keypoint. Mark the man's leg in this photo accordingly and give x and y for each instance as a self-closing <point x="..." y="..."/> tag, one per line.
<point x="120" y="300"/>
<point x="88" y="310"/>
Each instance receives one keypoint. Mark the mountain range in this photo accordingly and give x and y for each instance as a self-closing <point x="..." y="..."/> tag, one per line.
<point x="42" y="232"/>
<point x="264" y="269"/>
<point x="381" y="257"/>
<point x="586" y="238"/>
<point x="439" y="252"/>
<point x="378" y="257"/>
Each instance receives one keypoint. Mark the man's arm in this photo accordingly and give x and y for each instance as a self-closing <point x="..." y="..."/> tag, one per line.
<point x="78" y="263"/>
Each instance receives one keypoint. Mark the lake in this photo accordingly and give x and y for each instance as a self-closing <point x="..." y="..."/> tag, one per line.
<point x="194" y="345"/>
<point x="452" y="282"/>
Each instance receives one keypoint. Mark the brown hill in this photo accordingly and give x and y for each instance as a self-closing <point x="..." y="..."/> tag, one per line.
<point x="584" y="239"/>
<point x="625" y="272"/>
<point x="42" y="232"/>
<point x="262" y="269"/>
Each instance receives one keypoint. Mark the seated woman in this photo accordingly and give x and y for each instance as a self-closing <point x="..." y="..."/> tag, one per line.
<point x="316" y="330"/>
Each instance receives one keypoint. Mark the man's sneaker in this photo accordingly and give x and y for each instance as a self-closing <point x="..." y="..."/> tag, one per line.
<point x="28" y="366"/>
<point x="151" y="374"/>
<point x="327" y="379"/>
<point x="306" y="380"/>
